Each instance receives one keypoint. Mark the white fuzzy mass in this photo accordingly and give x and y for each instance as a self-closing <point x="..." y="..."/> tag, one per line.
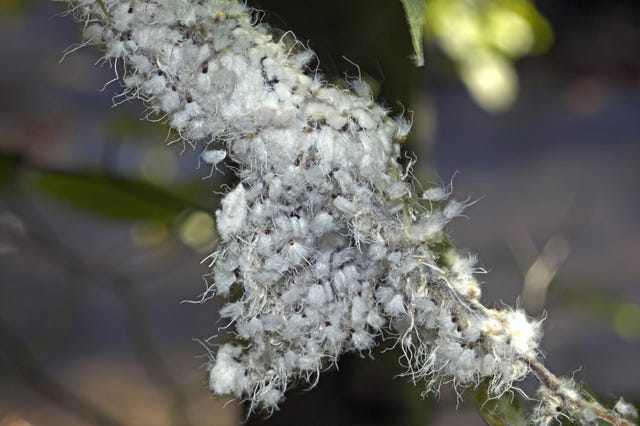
<point x="325" y="245"/>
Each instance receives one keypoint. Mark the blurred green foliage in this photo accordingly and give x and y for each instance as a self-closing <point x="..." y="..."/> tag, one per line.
<point x="622" y="315"/>
<point x="8" y="169"/>
<point x="11" y="6"/>
<point x="111" y="196"/>
<point x="156" y="211"/>
<point x="483" y="38"/>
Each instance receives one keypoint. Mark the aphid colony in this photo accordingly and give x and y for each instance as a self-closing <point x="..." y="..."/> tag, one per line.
<point x="324" y="244"/>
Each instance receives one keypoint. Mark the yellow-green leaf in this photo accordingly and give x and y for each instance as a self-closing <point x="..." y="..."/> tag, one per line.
<point x="414" y="10"/>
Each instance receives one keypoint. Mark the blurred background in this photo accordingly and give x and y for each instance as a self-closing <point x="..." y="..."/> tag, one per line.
<point x="534" y="110"/>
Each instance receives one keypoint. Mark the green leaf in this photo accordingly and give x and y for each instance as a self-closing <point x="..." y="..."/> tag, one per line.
<point x="115" y="197"/>
<point x="502" y="411"/>
<point x="104" y="9"/>
<point x="414" y="10"/>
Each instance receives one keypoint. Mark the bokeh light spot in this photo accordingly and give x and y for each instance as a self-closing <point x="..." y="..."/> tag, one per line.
<point x="197" y="230"/>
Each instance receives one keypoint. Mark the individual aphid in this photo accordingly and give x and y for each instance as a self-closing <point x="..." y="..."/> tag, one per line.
<point x="361" y="88"/>
<point x="249" y="328"/>
<point x="403" y="126"/>
<point x="223" y="280"/>
<point x="213" y="156"/>
<point x="454" y="208"/>
<point x="316" y="295"/>
<point x="344" y="205"/>
<point x="361" y="340"/>
<point x="437" y="193"/>
<point x="232" y="216"/>
<point x="394" y="306"/>
<point x="94" y="33"/>
<point x="296" y="253"/>
<point x="141" y="64"/>
<point x="322" y="223"/>
<point x="363" y="119"/>
<point x="115" y="50"/>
